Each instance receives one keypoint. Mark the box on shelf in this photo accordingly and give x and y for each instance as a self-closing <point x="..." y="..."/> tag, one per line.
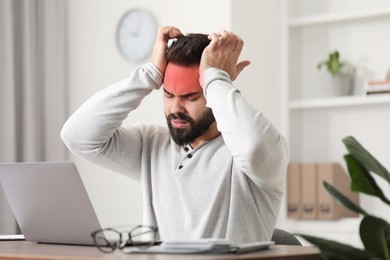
<point x="328" y="208"/>
<point x="307" y="198"/>
<point x="309" y="191"/>
<point x="294" y="208"/>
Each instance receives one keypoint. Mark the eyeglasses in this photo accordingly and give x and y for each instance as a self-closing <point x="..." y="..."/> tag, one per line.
<point x="109" y="239"/>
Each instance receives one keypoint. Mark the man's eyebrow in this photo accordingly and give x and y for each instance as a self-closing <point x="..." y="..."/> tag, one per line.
<point x="184" y="95"/>
<point x="190" y="94"/>
<point x="166" y="91"/>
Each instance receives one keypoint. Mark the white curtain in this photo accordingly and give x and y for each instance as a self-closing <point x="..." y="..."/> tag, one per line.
<point x="32" y="85"/>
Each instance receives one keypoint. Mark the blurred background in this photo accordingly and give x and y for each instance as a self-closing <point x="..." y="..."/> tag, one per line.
<point x="54" y="54"/>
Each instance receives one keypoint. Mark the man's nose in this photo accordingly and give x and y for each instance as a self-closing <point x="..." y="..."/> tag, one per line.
<point x="177" y="106"/>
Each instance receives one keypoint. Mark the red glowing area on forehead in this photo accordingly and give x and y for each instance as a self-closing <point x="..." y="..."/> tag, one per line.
<point x="181" y="80"/>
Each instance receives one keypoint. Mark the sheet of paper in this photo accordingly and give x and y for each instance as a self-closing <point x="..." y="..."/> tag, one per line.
<point x="200" y="247"/>
<point x="11" y="237"/>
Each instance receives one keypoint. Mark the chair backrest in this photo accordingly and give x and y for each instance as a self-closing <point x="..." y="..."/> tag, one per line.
<point x="282" y="237"/>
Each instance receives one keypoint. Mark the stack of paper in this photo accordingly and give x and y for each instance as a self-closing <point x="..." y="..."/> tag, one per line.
<point x="198" y="246"/>
<point x="205" y="246"/>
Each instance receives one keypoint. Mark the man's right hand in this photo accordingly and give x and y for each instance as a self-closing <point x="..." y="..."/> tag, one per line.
<point x="160" y="46"/>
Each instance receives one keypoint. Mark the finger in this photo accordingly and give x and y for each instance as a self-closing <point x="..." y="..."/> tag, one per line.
<point x="162" y="31"/>
<point x="164" y="34"/>
<point x="238" y="45"/>
<point x="168" y="32"/>
<point x="241" y="66"/>
<point x="227" y="38"/>
<point x="224" y="37"/>
<point x="214" y="40"/>
<point x="232" y="41"/>
<point x="219" y="33"/>
<point x="174" y="33"/>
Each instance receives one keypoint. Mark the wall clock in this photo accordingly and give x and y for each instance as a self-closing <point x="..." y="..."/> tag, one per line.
<point x="136" y="34"/>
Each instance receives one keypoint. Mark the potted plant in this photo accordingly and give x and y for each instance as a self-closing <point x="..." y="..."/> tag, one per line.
<point x="339" y="76"/>
<point x="374" y="231"/>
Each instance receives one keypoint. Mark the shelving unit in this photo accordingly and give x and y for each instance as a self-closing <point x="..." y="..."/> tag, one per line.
<point x="346" y="101"/>
<point x="317" y="124"/>
<point x="337" y="18"/>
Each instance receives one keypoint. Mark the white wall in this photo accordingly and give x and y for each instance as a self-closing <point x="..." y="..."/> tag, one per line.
<point x="258" y="23"/>
<point x="94" y="62"/>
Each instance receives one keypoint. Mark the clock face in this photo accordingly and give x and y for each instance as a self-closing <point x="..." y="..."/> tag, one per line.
<point x="136" y="34"/>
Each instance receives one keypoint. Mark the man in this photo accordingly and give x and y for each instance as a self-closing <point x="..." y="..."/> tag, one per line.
<point x="219" y="170"/>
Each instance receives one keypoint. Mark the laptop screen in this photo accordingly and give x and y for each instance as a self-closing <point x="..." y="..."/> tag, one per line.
<point x="50" y="202"/>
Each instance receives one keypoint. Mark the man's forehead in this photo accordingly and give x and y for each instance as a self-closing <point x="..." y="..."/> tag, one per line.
<point x="181" y="80"/>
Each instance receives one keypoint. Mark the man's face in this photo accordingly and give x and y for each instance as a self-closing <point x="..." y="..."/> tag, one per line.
<point x="184" y="104"/>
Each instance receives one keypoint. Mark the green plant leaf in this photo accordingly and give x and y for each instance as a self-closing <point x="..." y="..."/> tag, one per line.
<point x="335" y="250"/>
<point x="365" y="158"/>
<point x="375" y="235"/>
<point x="374" y="232"/>
<point x="335" y="67"/>
<point x="332" y="64"/>
<point x="361" y="180"/>
<point x="334" y="55"/>
<point x="346" y="202"/>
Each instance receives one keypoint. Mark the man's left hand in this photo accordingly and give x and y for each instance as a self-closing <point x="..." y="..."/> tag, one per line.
<point x="223" y="53"/>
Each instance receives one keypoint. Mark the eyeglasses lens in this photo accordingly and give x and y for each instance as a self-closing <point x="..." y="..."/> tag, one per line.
<point x="107" y="240"/>
<point x="143" y="236"/>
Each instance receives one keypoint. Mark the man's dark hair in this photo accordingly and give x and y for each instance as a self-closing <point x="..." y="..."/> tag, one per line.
<point x="187" y="50"/>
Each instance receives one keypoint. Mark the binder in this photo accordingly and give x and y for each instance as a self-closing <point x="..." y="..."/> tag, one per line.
<point x="328" y="208"/>
<point x="309" y="190"/>
<point x="294" y="203"/>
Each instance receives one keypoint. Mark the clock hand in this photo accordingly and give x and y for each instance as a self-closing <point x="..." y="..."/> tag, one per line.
<point x="139" y="23"/>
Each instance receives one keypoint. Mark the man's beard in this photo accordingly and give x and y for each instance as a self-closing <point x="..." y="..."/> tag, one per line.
<point x="183" y="136"/>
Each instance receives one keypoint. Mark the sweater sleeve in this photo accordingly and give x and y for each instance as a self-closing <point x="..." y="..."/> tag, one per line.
<point x="256" y="145"/>
<point x="94" y="131"/>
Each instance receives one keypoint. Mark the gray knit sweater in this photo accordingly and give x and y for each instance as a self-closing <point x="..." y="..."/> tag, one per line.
<point x="229" y="187"/>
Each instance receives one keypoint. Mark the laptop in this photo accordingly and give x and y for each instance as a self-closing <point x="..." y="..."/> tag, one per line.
<point x="50" y="202"/>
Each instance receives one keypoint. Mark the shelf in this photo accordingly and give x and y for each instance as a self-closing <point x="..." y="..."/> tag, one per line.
<point x="313" y="123"/>
<point x="336" y="18"/>
<point x="333" y="102"/>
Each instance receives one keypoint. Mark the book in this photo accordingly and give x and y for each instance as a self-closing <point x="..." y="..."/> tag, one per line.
<point x="378" y="87"/>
